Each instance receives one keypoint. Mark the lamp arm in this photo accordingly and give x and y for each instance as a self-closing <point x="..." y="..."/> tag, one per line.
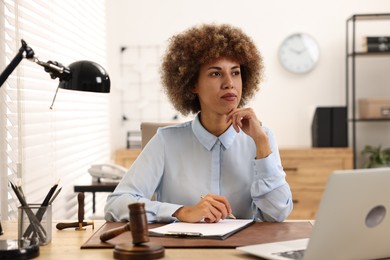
<point x="87" y="76"/>
<point x="55" y="69"/>
<point x="15" y="61"/>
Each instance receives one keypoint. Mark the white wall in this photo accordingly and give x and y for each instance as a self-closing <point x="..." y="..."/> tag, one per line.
<point x="286" y="101"/>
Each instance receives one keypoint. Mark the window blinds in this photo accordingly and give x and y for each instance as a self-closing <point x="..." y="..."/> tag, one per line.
<point x="38" y="145"/>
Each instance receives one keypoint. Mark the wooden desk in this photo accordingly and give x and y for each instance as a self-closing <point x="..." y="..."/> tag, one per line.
<point x="66" y="244"/>
<point x="95" y="187"/>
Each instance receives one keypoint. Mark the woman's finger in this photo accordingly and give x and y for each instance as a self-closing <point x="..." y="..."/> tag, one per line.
<point x="220" y="204"/>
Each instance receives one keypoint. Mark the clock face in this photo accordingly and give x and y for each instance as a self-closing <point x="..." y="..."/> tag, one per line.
<point x="299" y="53"/>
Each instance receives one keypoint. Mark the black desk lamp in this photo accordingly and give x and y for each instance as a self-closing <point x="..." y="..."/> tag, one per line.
<point x="80" y="75"/>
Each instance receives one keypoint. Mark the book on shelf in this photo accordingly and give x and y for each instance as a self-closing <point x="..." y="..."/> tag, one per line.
<point x="377" y="47"/>
<point x="375" y="39"/>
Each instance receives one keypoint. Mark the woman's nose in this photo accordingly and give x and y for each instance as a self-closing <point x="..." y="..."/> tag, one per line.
<point x="228" y="83"/>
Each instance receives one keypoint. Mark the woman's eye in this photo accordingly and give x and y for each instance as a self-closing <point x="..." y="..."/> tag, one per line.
<point x="236" y="73"/>
<point x="215" y="73"/>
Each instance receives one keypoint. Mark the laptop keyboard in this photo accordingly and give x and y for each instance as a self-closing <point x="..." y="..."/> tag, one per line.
<point x="293" y="254"/>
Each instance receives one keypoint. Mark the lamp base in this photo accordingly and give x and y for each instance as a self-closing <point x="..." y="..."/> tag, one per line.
<point x="19" y="249"/>
<point x="129" y="251"/>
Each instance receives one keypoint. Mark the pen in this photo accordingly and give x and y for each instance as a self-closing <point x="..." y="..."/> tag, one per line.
<point x="230" y="215"/>
<point x="183" y="234"/>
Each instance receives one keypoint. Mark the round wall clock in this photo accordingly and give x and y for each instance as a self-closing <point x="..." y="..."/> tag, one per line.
<point x="299" y="53"/>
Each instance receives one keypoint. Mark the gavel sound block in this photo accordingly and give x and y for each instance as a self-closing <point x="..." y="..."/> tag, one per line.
<point x="140" y="249"/>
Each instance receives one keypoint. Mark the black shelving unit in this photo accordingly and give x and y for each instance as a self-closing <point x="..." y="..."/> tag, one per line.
<point x="351" y="59"/>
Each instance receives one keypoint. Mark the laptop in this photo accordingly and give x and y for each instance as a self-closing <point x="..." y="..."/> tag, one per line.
<point x="352" y="222"/>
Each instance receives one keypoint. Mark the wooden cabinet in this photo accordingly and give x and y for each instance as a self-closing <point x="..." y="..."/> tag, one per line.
<point x="126" y="157"/>
<point x="307" y="171"/>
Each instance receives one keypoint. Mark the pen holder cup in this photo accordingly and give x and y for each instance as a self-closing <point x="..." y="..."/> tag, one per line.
<point x="35" y="222"/>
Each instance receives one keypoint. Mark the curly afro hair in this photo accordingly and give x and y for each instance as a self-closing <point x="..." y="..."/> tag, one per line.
<point x="202" y="44"/>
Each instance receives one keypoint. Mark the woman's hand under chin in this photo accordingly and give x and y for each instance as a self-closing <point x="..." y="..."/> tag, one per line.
<point x="246" y="120"/>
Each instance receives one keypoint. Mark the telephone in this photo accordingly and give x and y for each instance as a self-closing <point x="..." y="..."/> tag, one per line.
<point x="107" y="171"/>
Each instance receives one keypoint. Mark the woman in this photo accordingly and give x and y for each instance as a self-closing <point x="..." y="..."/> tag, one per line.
<point x="222" y="162"/>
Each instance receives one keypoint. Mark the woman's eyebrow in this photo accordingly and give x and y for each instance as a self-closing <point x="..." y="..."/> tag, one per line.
<point x="214" y="68"/>
<point x="219" y="68"/>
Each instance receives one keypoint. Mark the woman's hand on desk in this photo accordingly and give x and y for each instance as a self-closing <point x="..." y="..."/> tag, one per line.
<point x="212" y="208"/>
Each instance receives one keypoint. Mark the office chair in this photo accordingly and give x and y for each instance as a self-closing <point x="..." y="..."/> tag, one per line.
<point x="149" y="129"/>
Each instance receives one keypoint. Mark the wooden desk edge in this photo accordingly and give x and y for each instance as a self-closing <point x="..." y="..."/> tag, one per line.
<point x="66" y="244"/>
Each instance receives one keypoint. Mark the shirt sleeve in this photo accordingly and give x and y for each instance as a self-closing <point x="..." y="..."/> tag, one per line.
<point x="139" y="185"/>
<point x="271" y="194"/>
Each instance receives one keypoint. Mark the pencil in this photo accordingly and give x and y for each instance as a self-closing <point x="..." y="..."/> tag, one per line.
<point x="230" y="215"/>
<point x="41" y="211"/>
<point x="35" y="224"/>
<point x="54" y="196"/>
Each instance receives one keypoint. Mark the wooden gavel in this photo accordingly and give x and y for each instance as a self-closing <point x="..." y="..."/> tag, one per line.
<point x="139" y="248"/>
<point x="61" y="226"/>
<point x="81" y="223"/>
<point x="137" y="225"/>
<point x="114" y="232"/>
<point x="80" y="215"/>
<point x="1" y="229"/>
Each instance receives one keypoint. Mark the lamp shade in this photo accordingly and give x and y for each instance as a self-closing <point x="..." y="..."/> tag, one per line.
<point x="86" y="76"/>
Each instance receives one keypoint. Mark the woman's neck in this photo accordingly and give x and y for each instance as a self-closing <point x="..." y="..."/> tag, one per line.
<point x="215" y="124"/>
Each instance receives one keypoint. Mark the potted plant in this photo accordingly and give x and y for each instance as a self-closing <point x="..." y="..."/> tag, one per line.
<point x="376" y="156"/>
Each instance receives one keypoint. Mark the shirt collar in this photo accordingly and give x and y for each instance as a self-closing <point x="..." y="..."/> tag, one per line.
<point x="208" y="140"/>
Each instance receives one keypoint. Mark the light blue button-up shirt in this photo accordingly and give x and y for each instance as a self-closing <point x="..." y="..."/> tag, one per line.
<point x="182" y="162"/>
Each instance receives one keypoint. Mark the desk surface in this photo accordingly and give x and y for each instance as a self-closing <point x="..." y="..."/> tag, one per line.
<point x="66" y="244"/>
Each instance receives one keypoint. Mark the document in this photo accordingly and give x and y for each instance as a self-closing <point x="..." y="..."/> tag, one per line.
<point x="220" y="230"/>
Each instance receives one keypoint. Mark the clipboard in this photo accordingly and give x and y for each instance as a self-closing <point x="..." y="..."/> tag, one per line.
<point x="221" y="230"/>
<point x="257" y="233"/>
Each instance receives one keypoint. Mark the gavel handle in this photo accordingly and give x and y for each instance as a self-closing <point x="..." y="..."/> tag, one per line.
<point x="61" y="226"/>
<point x="80" y="199"/>
<point x="114" y="232"/>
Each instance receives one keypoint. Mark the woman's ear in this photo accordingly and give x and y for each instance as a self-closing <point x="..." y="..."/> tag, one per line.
<point x="194" y="90"/>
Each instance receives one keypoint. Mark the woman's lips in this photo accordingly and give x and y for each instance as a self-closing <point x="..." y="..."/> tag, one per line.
<point x="229" y="97"/>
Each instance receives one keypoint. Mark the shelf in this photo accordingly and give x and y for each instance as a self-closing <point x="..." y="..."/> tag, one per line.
<point x="352" y="55"/>
<point x="369" y="120"/>
<point x="369" y="17"/>
<point x="384" y="53"/>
